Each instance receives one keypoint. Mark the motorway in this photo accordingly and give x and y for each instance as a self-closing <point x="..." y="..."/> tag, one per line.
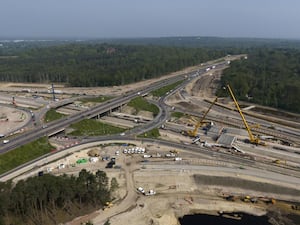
<point x="54" y="126"/>
<point x="102" y="108"/>
<point x="61" y="124"/>
<point x="283" y="130"/>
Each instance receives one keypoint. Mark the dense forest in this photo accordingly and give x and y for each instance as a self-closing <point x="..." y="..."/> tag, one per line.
<point x="52" y="199"/>
<point x="231" y="45"/>
<point x="99" y="64"/>
<point x="268" y="77"/>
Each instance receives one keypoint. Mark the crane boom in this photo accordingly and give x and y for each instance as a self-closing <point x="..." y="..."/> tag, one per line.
<point x="253" y="139"/>
<point x="193" y="133"/>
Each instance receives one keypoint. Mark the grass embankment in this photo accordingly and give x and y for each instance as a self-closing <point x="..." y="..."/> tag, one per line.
<point x="154" y="133"/>
<point x="23" y="154"/>
<point x="139" y="103"/>
<point x="162" y="91"/>
<point x="52" y="115"/>
<point x="177" y="114"/>
<point x="89" y="127"/>
<point x="96" y="99"/>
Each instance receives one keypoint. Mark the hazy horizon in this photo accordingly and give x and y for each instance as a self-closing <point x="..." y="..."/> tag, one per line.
<point x="71" y="38"/>
<point x="100" y="19"/>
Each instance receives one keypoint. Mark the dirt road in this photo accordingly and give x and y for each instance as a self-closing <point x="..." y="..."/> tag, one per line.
<point x="101" y="216"/>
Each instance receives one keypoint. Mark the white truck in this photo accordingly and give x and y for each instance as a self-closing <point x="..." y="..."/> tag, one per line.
<point x="140" y="189"/>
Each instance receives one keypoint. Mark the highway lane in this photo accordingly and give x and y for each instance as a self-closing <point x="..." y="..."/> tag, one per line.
<point x="164" y="113"/>
<point x="206" y="152"/>
<point x="39" y="131"/>
<point x="162" y="116"/>
<point x="225" y="115"/>
<point x="265" y="123"/>
<point x="64" y="122"/>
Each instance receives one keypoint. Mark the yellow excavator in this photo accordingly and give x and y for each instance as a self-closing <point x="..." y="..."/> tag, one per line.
<point x="253" y="139"/>
<point x="194" y="132"/>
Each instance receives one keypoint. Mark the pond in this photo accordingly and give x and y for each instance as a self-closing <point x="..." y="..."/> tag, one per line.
<point x="235" y="218"/>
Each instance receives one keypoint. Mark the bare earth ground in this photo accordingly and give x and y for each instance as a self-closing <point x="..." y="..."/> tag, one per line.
<point x="201" y="88"/>
<point x="12" y="119"/>
<point x="177" y="192"/>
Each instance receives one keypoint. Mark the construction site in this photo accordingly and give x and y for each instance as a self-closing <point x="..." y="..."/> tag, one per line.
<point x="214" y="156"/>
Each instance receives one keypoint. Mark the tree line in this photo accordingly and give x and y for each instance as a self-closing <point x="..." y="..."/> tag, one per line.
<point x="99" y="64"/>
<point x="268" y="77"/>
<point x="50" y="199"/>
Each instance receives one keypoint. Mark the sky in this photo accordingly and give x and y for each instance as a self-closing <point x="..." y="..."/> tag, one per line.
<point x="149" y="18"/>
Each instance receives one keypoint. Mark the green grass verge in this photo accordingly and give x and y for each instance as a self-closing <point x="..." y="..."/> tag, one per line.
<point x="52" y="115"/>
<point x="154" y="133"/>
<point x="177" y="114"/>
<point x="23" y="154"/>
<point x="162" y="91"/>
<point x="90" y="127"/>
<point x="96" y="99"/>
<point x="139" y="103"/>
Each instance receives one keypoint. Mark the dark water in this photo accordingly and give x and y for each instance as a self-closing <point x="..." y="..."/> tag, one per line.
<point x="203" y="219"/>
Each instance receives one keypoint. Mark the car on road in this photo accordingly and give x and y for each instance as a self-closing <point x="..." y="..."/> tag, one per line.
<point x="5" y="141"/>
